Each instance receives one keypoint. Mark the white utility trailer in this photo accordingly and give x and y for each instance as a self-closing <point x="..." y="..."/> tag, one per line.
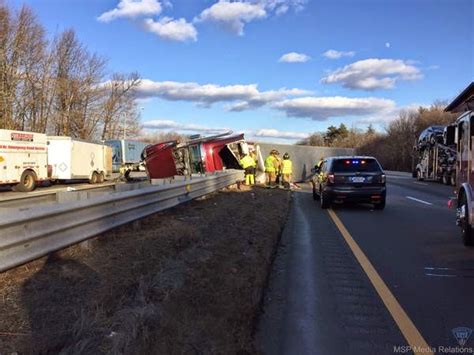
<point x="23" y="159"/>
<point x="73" y="159"/>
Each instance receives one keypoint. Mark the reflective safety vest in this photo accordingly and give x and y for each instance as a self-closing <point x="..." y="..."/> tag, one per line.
<point x="286" y="166"/>
<point x="247" y="162"/>
<point x="270" y="164"/>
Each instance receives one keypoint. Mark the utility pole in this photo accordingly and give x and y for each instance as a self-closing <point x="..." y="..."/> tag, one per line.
<point x="124" y="125"/>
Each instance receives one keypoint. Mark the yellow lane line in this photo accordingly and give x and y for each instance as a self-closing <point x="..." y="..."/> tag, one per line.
<point x="413" y="337"/>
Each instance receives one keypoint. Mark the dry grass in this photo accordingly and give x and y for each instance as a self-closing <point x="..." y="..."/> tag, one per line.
<point x="188" y="280"/>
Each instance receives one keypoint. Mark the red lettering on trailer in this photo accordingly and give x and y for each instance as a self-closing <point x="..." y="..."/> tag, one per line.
<point x="22" y="147"/>
<point x="25" y="137"/>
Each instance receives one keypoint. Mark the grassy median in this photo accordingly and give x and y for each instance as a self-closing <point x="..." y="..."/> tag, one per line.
<point x="187" y="280"/>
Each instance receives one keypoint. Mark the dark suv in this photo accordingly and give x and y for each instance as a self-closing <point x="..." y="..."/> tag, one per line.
<point x="357" y="179"/>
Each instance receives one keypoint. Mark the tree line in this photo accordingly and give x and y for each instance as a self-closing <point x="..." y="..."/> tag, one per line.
<point x="393" y="148"/>
<point x="57" y="86"/>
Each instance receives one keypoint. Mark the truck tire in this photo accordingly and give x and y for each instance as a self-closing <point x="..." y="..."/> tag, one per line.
<point x="100" y="177"/>
<point x="27" y="182"/>
<point x="94" y="178"/>
<point x="467" y="232"/>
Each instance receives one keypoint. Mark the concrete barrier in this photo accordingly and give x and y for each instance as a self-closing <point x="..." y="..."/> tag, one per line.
<point x="303" y="157"/>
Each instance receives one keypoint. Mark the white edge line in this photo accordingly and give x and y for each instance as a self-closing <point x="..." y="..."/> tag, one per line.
<point x="420" y="201"/>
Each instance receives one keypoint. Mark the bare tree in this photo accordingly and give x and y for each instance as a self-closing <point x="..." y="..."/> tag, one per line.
<point x="119" y="109"/>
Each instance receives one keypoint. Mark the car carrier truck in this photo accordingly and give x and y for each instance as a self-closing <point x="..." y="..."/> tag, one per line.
<point x="437" y="162"/>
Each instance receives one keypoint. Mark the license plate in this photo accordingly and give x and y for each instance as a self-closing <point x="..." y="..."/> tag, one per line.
<point x="358" y="179"/>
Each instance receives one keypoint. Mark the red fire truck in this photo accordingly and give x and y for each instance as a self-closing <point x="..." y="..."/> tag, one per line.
<point x="461" y="133"/>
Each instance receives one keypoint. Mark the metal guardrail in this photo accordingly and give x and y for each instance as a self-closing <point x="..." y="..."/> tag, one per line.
<point x="42" y="230"/>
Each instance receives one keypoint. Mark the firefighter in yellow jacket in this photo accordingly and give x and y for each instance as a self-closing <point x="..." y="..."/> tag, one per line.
<point x="248" y="163"/>
<point x="286" y="170"/>
<point x="271" y="167"/>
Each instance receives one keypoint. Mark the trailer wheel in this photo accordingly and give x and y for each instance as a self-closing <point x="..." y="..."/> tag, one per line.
<point x="94" y="178"/>
<point x="445" y="179"/>
<point x="27" y="182"/>
<point x="101" y="177"/>
<point x="467" y="232"/>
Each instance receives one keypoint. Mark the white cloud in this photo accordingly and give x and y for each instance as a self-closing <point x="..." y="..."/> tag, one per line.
<point x="390" y="115"/>
<point x="132" y="9"/>
<point x="242" y="97"/>
<point x="333" y="54"/>
<point x="294" y="57"/>
<point x="233" y="15"/>
<point x="273" y="133"/>
<point x="171" y="29"/>
<point x="371" y="74"/>
<point x="387" y="44"/>
<point x="321" y="108"/>
<point x="282" y="6"/>
<point x="177" y="126"/>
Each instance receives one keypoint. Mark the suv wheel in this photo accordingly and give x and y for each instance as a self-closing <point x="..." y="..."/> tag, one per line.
<point x="380" y="205"/>
<point x="324" y="200"/>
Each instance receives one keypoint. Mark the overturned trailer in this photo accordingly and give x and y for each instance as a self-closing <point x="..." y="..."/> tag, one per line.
<point x="196" y="156"/>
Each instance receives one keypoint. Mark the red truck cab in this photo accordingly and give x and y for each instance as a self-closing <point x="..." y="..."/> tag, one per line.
<point x="201" y="155"/>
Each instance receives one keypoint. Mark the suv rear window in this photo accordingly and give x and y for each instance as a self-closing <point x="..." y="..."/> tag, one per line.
<point x="355" y="165"/>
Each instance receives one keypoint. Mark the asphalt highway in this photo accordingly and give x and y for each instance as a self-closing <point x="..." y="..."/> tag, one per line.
<point x="352" y="280"/>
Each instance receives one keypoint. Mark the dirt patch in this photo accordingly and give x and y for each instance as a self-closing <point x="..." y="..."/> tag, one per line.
<point x="188" y="280"/>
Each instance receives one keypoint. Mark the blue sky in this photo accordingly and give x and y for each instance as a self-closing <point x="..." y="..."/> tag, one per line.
<point x="209" y="64"/>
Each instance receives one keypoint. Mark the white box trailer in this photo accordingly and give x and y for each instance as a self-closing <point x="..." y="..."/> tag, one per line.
<point x="71" y="159"/>
<point x="23" y="159"/>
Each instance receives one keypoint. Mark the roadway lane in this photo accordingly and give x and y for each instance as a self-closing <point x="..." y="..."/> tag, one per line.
<point x="417" y="250"/>
<point x="320" y="301"/>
